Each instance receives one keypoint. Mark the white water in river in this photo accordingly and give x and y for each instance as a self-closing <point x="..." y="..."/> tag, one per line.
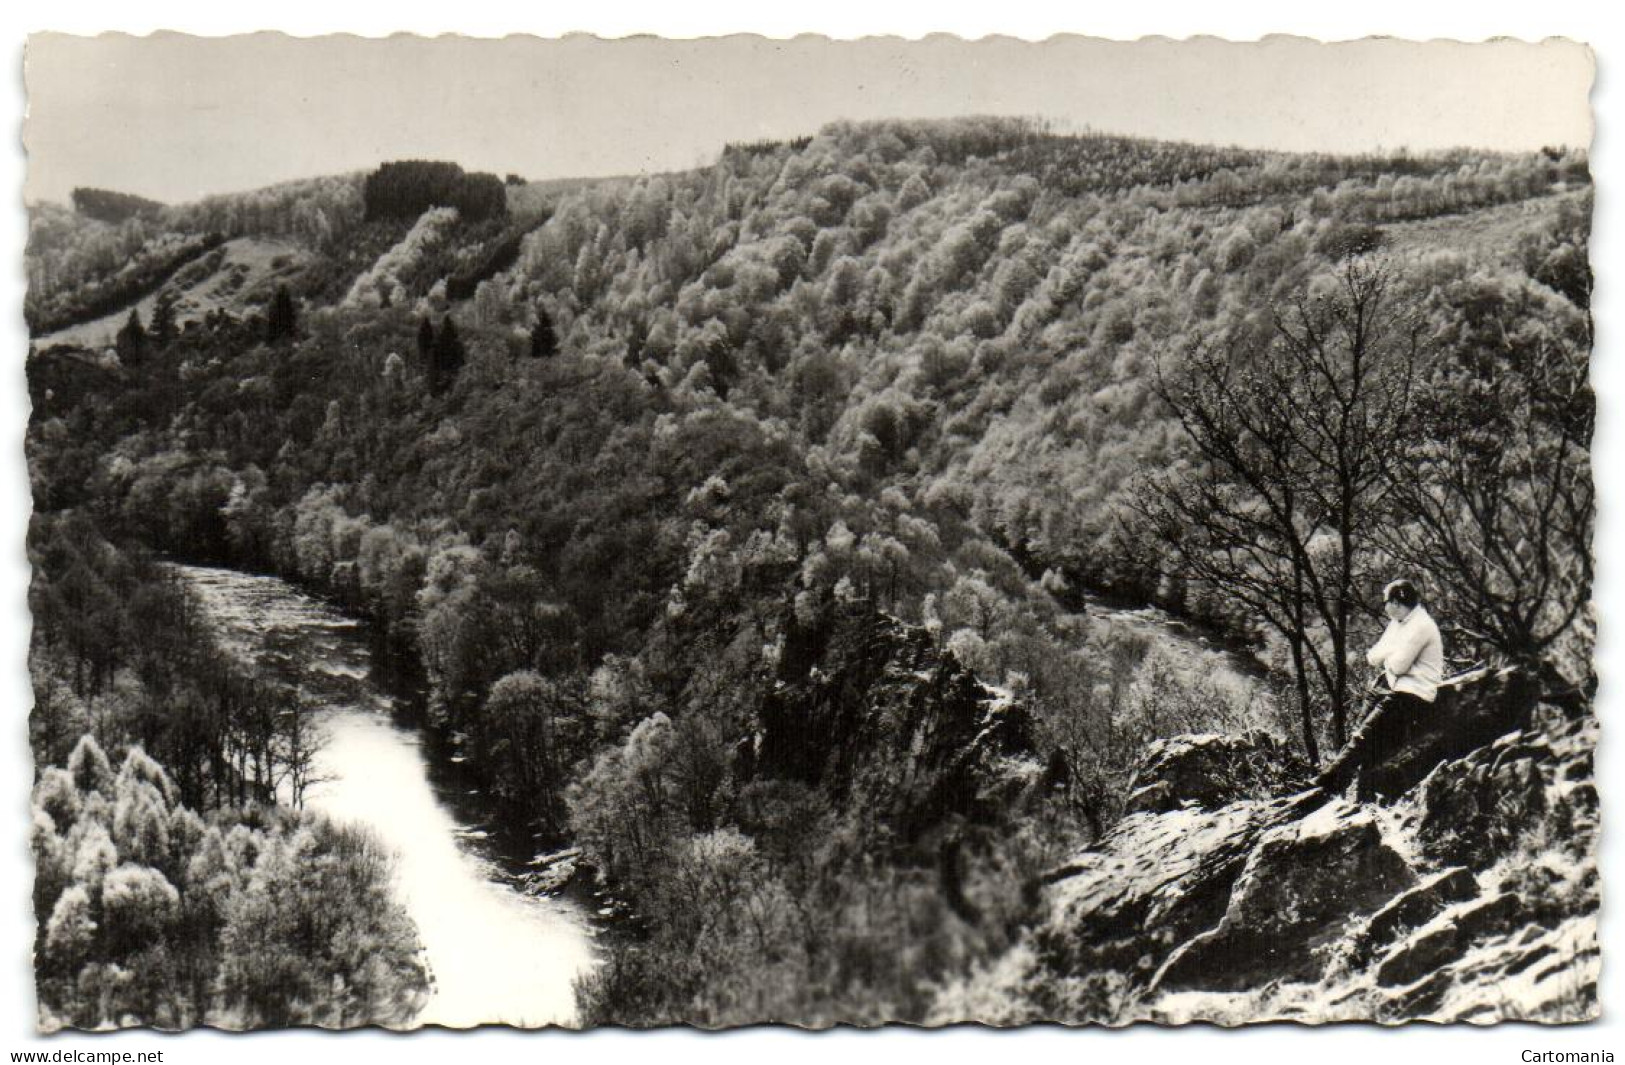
<point x="496" y="955"/>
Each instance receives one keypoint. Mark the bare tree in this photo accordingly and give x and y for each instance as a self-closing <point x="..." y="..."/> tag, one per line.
<point x="300" y="742"/>
<point x="1296" y="431"/>
<point x="1494" y="498"/>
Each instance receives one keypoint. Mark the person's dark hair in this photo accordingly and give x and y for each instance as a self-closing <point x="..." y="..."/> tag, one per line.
<point x="1402" y="592"/>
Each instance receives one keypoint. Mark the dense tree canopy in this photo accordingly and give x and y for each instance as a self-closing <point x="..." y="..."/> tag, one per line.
<point x="407" y="189"/>
<point x="104" y="205"/>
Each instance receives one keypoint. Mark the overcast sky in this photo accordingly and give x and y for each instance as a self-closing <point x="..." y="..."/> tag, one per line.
<point x="176" y="117"/>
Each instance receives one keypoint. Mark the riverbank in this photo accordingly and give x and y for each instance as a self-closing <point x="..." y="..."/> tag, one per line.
<point x="496" y="954"/>
<point x="170" y="891"/>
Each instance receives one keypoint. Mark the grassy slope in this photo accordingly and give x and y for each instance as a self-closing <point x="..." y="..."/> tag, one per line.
<point x="244" y="280"/>
<point x="1489" y="229"/>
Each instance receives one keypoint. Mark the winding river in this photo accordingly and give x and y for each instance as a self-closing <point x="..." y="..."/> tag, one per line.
<point x="496" y="955"/>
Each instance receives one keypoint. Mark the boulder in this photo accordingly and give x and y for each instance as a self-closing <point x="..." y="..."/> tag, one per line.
<point x="1211" y="771"/>
<point x="1302" y="887"/>
<point x="554" y="873"/>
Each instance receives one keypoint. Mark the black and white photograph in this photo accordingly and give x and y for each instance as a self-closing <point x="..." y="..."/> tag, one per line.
<point x="569" y="532"/>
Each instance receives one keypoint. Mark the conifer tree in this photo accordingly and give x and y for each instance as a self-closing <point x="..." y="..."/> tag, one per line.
<point x="131" y="342"/>
<point x="283" y="320"/>
<point x="426" y="345"/>
<point x="544" y="342"/>
<point x="449" y="355"/>
<point x="164" y="328"/>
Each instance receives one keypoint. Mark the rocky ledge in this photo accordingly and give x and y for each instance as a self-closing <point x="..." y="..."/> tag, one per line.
<point x="1234" y="894"/>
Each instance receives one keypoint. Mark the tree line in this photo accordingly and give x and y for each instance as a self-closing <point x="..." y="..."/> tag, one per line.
<point x="105" y="205"/>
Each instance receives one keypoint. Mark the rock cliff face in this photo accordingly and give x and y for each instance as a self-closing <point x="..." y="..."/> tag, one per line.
<point x="1232" y="893"/>
<point x="870" y="711"/>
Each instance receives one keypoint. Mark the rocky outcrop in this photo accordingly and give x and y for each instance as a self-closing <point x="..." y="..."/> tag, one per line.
<point x="1524" y="972"/>
<point x="1472" y="896"/>
<point x="1303" y="886"/>
<point x="873" y="713"/>
<point x="1153" y="883"/>
<point x="1446" y="938"/>
<point x="1483" y="805"/>
<point x="1211" y="771"/>
<point x="1412" y="908"/>
<point x="1468" y="714"/>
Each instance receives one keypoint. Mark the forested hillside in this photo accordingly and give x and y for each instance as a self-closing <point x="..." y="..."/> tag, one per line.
<point x="623" y="468"/>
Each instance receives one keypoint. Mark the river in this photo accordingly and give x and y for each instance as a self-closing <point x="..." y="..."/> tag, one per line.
<point x="1194" y="653"/>
<point x="496" y="955"/>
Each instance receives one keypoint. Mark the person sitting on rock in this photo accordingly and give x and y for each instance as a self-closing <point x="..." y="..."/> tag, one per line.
<point x="1410" y="654"/>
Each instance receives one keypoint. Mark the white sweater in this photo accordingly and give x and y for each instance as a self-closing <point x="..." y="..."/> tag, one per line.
<point x="1411" y="655"/>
